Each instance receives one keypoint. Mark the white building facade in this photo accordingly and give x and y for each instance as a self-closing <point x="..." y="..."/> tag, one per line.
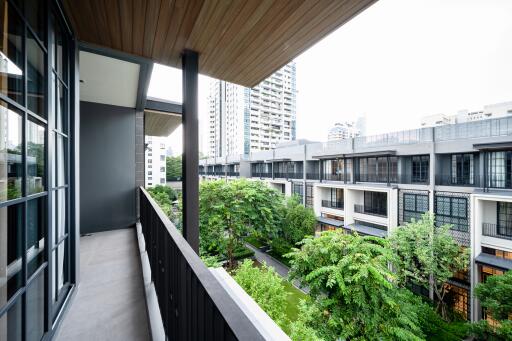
<point x="155" y="165"/>
<point x="344" y="130"/>
<point x="243" y="120"/>
<point x="498" y="110"/>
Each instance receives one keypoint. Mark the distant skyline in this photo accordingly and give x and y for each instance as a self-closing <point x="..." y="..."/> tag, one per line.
<point x="396" y="62"/>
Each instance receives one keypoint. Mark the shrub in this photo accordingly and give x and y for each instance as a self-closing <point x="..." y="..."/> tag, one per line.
<point x="266" y="287"/>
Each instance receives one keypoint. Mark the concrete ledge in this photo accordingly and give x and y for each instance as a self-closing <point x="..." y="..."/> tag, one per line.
<point x="156" y="326"/>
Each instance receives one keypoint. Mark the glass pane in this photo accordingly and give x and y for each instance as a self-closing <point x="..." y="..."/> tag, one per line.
<point x="35" y="14"/>
<point x="35" y="309"/>
<point x="60" y="157"/>
<point x="36" y="74"/>
<point x="61" y="114"/>
<point x="35" y="157"/>
<point x="59" y="51"/>
<point x="11" y="166"/>
<point x="61" y="213"/>
<point x="36" y="222"/>
<point x="60" y="260"/>
<point x="11" y="323"/>
<point x="11" y="245"/>
<point x="11" y="54"/>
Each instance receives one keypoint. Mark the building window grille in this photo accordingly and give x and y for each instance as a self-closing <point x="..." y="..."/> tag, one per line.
<point x="453" y="211"/>
<point x="415" y="205"/>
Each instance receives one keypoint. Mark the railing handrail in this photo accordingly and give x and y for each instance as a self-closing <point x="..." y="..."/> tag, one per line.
<point x="234" y="317"/>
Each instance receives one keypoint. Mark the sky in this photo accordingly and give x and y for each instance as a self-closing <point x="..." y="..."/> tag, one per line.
<point x="394" y="63"/>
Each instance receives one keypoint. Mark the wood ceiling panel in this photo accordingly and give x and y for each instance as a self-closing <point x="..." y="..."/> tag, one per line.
<point x="125" y="17"/>
<point x="241" y="41"/>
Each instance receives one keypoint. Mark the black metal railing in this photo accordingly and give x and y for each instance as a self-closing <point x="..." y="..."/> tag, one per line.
<point x="313" y="176"/>
<point x="193" y="304"/>
<point x="493" y="230"/>
<point x="454" y="180"/>
<point x="333" y="177"/>
<point x="261" y="175"/>
<point x="369" y="210"/>
<point x="333" y="204"/>
<point x="233" y="173"/>
<point x="279" y="175"/>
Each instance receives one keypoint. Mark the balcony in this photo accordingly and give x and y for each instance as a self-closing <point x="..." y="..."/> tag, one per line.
<point x="334" y="177"/>
<point x="453" y="180"/>
<point x="333" y="204"/>
<point x="288" y="175"/>
<point x="261" y="175"/>
<point x="495" y="231"/>
<point x="313" y="176"/>
<point x="369" y="210"/>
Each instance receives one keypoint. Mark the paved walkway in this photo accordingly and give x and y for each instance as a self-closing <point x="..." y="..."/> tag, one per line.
<point x="110" y="302"/>
<point x="280" y="268"/>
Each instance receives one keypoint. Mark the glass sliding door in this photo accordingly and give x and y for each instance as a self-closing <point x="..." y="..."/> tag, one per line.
<point x="34" y="168"/>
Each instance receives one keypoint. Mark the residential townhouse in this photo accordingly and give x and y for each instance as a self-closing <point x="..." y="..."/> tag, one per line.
<point x="372" y="184"/>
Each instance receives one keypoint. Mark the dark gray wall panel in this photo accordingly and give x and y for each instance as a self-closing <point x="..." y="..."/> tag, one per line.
<point x="107" y="167"/>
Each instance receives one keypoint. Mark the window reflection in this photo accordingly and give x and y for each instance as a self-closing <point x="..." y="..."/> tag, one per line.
<point x="35" y="309"/>
<point x="35" y="157"/>
<point x="11" y="54"/>
<point x="11" y="165"/>
<point x="36" y="222"/>
<point x="35" y="73"/>
<point x="11" y="224"/>
<point x="11" y="323"/>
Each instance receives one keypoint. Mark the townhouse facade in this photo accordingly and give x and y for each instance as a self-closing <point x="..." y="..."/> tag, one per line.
<point x="373" y="184"/>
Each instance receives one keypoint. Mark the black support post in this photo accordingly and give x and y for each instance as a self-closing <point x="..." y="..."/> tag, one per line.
<point x="190" y="163"/>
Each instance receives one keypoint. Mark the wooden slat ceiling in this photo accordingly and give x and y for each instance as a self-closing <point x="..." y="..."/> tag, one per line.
<point x="241" y="41"/>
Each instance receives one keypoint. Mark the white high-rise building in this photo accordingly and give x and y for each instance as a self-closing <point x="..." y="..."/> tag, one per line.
<point x="342" y="131"/>
<point x="497" y="110"/>
<point x="156" y="151"/>
<point x="243" y="120"/>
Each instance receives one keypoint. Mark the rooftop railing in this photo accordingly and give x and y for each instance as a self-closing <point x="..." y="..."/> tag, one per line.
<point x="477" y="129"/>
<point x="413" y="136"/>
<point x="193" y="304"/>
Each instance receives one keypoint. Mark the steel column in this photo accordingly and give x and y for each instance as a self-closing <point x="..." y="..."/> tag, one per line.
<point x="190" y="163"/>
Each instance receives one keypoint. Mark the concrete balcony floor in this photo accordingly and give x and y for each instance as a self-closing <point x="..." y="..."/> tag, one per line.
<point x="110" y="302"/>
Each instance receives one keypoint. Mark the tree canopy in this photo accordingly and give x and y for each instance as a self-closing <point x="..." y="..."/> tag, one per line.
<point x="173" y="168"/>
<point x="231" y="210"/>
<point x="353" y="291"/>
<point x="427" y="255"/>
<point x="495" y="295"/>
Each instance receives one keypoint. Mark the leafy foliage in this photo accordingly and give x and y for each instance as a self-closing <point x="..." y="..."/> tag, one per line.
<point x="298" y="221"/>
<point x="164" y="196"/>
<point x="353" y="291"/>
<point x="427" y="256"/>
<point x="231" y="210"/>
<point x="496" y="295"/>
<point x="482" y="330"/>
<point x="266" y="287"/>
<point x="173" y="168"/>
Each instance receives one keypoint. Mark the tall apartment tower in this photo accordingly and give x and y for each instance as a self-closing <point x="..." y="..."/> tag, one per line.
<point x="156" y="152"/>
<point x="243" y="120"/>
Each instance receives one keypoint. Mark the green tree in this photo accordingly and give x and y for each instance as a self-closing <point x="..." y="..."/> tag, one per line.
<point x="353" y="291"/>
<point x="173" y="168"/>
<point x="428" y="256"/>
<point x="495" y="295"/>
<point x="266" y="287"/>
<point x="166" y="190"/>
<point x="231" y="210"/>
<point x="298" y="222"/>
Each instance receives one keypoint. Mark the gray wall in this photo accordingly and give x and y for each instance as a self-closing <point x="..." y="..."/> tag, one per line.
<point x="107" y="167"/>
